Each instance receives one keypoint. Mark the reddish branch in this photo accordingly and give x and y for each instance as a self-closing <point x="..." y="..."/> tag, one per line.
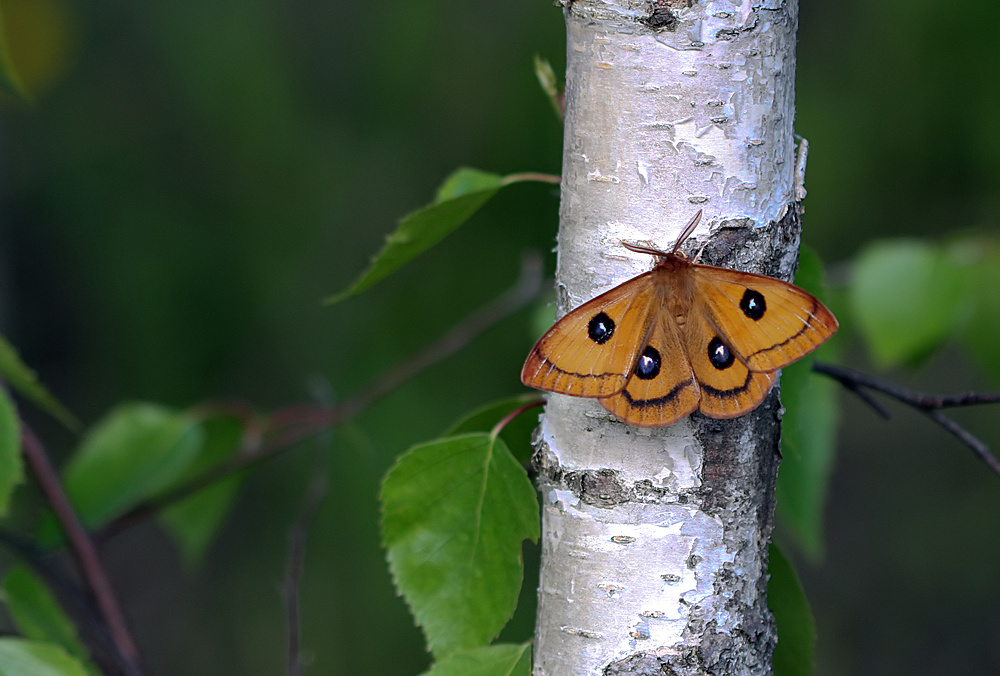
<point x="292" y="424"/>
<point x="283" y="429"/>
<point x="287" y="426"/>
<point x="83" y="549"/>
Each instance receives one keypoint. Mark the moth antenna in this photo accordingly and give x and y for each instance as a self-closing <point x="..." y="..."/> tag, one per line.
<point x="643" y="249"/>
<point x="688" y="229"/>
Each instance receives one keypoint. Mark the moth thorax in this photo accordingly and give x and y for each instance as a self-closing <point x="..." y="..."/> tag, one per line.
<point x="677" y="289"/>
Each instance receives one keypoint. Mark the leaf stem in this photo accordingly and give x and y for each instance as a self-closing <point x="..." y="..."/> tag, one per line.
<point x="532" y="176"/>
<point x="498" y="428"/>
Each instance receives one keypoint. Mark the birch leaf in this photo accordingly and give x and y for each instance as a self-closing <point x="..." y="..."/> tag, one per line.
<point x="11" y="462"/>
<point x="454" y="514"/>
<point x="494" y="660"/>
<point x="38" y="616"/>
<point x="24" y="381"/>
<point x="794" y="654"/>
<point x="19" y="657"/>
<point x="516" y="434"/>
<point x="980" y="334"/>
<point x="808" y="431"/>
<point x="549" y="83"/>
<point x="458" y="198"/>
<point x="136" y="451"/>
<point x="194" y="521"/>
<point x="808" y="443"/>
<point x="907" y="296"/>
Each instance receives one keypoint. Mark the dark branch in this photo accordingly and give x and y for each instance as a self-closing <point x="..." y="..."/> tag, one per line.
<point x="929" y="404"/>
<point x="981" y="450"/>
<point x="853" y="387"/>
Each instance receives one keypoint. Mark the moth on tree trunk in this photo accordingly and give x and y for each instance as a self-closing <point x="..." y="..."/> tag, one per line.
<point x="654" y="540"/>
<point x="680" y="338"/>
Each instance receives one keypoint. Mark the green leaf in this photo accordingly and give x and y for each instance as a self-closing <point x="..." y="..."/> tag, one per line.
<point x="467" y="181"/>
<point x="131" y="455"/>
<point x="794" y="654"/>
<point x="808" y="431"/>
<point x="907" y="296"/>
<point x="10" y="82"/>
<point x="11" y="462"/>
<point x="809" y="273"/>
<point x="494" y="660"/>
<point x="19" y="657"/>
<point x="38" y="616"/>
<point x="454" y="514"/>
<point x="461" y="195"/>
<point x="981" y="331"/>
<point x="549" y="84"/>
<point x="24" y="381"/>
<point x="808" y="443"/>
<point x="194" y="521"/>
<point x="516" y="434"/>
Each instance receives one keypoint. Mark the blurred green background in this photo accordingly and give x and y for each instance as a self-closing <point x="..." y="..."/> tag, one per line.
<point x="193" y="177"/>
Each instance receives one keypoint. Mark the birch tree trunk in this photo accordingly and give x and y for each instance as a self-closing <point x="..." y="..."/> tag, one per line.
<point x="654" y="544"/>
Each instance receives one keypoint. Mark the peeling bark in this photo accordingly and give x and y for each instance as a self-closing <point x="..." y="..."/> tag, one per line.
<point x="654" y="543"/>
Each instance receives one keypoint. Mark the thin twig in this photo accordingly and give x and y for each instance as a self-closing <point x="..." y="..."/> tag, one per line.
<point x="915" y="398"/>
<point x="523" y="292"/>
<point x="296" y="558"/>
<point x="84" y="551"/>
<point x="854" y="388"/>
<point x="928" y="404"/>
<point x="292" y="424"/>
<point x="981" y="450"/>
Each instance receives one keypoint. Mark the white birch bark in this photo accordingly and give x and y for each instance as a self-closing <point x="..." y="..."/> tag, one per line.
<point x="654" y="542"/>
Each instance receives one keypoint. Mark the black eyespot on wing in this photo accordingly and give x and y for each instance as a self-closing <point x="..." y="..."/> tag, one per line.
<point x="648" y="366"/>
<point x="753" y="304"/>
<point x="601" y="328"/>
<point x="719" y="354"/>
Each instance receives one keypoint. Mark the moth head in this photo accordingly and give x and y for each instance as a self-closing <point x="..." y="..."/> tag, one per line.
<point x="675" y="251"/>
